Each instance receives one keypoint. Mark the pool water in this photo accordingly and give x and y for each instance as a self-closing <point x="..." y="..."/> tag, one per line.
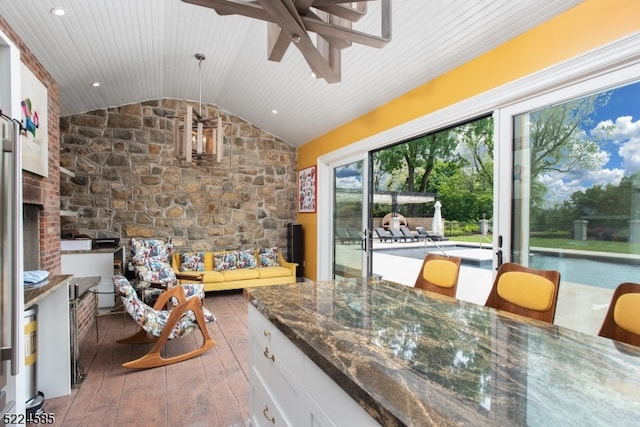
<point x="471" y="256"/>
<point x="602" y="273"/>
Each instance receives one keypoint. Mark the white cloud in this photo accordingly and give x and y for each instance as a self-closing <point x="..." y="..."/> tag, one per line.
<point x="624" y="133"/>
<point x="630" y="154"/>
<point x="560" y="186"/>
<point x="623" y="128"/>
<point x="559" y="189"/>
<point x="349" y="182"/>
<point x="605" y="176"/>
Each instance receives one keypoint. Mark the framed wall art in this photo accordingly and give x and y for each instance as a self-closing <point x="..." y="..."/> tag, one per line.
<point x="307" y="189"/>
<point x="35" y="133"/>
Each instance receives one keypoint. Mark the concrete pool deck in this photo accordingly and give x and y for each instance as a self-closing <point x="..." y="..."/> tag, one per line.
<point x="580" y="307"/>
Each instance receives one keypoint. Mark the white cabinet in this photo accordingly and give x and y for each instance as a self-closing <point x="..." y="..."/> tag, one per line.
<point x="288" y="389"/>
<point x="98" y="262"/>
<point x="276" y="371"/>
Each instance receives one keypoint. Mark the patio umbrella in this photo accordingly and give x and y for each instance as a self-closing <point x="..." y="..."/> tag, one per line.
<point x="437" y="226"/>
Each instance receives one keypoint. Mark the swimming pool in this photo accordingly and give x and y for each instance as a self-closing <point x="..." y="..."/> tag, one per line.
<point x="472" y="256"/>
<point x="594" y="271"/>
<point x="602" y="273"/>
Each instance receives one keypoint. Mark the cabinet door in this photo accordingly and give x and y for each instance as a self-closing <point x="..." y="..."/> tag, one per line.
<point x="264" y="411"/>
<point x="316" y="417"/>
<point x="333" y="405"/>
<point x="276" y="373"/>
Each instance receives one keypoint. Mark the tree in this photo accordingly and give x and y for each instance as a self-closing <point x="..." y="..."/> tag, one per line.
<point x="476" y="146"/>
<point x="558" y="144"/>
<point x="410" y="163"/>
<point x="463" y="155"/>
<point x="463" y="196"/>
<point x="557" y="141"/>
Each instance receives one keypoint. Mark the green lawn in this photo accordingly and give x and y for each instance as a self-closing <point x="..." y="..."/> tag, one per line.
<point x="582" y="245"/>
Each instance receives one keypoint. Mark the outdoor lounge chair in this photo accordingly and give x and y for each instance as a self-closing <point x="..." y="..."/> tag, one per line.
<point x="428" y="235"/>
<point x="354" y="234"/>
<point x="383" y="234"/>
<point x="408" y="234"/>
<point x="343" y="236"/>
<point x="397" y="234"/>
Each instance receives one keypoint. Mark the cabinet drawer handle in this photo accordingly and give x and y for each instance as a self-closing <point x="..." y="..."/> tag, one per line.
<point x="265" y="412"/>
<point x="268" y="356"/>
<point x="267" y="333"/>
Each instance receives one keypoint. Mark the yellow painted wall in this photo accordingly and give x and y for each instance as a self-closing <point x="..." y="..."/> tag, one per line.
<point x="587" y="26"/>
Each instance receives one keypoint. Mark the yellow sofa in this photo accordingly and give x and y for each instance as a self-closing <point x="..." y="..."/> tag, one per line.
<point x="213" y="269"/>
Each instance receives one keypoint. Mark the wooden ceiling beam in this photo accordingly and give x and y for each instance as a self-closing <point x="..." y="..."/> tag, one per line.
<point x="292" y="20"/>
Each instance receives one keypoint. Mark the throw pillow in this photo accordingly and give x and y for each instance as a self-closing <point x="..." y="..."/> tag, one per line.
<point x="225" y="261"/>
<point x="246" y="259"/>
<point x="192" y="261"/>
<point x="268" y="257"/>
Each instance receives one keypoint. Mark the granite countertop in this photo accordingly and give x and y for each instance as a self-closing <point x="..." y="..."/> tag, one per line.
<point x="412" y="358"/>
<point x="36" y="293"/>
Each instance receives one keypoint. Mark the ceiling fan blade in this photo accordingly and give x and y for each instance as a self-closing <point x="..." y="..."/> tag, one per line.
<point x="334" y="31"/>
<point x="281" y="10"/>
<point x="291" y="20"/>
<point x="346" y="12"/>
<point x="227" y="7"/>
<point x="340" y="32"/>
<point x="317" y="3"/>
<point x="277" y="42"/>
<point x="292" y="26"/>
<point x="325" y="17"/>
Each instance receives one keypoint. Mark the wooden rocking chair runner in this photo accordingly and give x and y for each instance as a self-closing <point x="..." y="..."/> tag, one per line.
<point x="157" y="325"/>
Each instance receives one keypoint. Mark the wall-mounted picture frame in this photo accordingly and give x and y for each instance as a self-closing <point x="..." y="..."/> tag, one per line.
<point x="307" y="189"/>
<point x="34" y="119"/>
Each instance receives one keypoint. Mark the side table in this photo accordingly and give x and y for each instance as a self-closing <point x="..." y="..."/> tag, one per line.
<point x="116" y="309"/>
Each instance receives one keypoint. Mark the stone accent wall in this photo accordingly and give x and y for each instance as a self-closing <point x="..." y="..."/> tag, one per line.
<point x="129" y="184"/>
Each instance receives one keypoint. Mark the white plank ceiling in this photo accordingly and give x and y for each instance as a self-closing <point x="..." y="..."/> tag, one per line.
<point x="144" y="49"/>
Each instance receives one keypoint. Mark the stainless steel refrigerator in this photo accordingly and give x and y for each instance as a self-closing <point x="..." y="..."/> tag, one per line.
<point x="10" y="258"/>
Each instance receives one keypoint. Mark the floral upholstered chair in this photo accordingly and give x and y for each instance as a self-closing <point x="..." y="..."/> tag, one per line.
<point x="157" y="325"/>
<point x="151" y="263"/>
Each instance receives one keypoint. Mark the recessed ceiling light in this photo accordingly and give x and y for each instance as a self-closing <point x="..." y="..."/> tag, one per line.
<point x="58" y="11"/>
<point x="95" y="84"/>
<point x="274" y="111"/>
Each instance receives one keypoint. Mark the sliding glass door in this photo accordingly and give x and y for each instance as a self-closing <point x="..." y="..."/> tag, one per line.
<point x="570" y="182"/>
<point x="349" y="220"/>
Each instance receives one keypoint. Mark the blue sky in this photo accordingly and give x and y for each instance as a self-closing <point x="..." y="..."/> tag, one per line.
<point x="620" y="150"/>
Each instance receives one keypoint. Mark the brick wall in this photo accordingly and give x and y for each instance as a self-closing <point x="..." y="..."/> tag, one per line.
<point x="86" y="309"/>
<point x="44" y="191"/>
